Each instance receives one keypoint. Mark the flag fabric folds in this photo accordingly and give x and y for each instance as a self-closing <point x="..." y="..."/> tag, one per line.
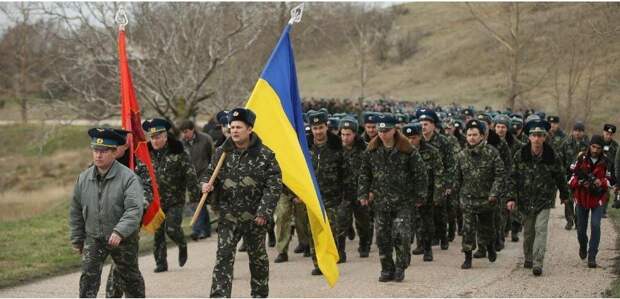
<point x="130" y="117"/>
<point x="279" y="122"/>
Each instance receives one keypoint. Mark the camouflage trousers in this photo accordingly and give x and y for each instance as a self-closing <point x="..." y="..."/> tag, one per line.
<point x="481" y="220"/>
<point x="125" y="258"/>
<point x="394" y="234"/>
<point x="349" y="210"/>
<point x="423" y="223"/>
<point x="535" y="236"/>
<point x="230" y="231"/>
<point x="454" y="214"/>
<point x="171" y="227"/>
<point x="332" y="217"/>
<point x="284" y="213"/>
<point x="440" y="219"/>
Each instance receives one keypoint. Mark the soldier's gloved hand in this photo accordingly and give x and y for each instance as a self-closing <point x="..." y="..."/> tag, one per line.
<point x="206" y="187"/>
<point x="78" y="248"/>
<point x="260" y="220"/>
<point x="492" y="199"/>
<point x="511" y="205"/>
<point x="115" y="239"/>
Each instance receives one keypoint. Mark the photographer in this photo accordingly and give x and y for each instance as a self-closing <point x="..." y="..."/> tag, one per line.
<point x="590" y="184"/>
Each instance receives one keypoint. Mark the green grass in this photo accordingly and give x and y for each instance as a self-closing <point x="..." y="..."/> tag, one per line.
<point x="39" y="247"/>
<point x="41" y="140"/>
<point x="614" y="290"/>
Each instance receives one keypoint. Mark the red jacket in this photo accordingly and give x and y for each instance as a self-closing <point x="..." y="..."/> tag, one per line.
<point x="583" y="195"/>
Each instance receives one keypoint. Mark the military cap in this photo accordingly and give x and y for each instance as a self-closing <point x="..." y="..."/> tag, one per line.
<point x="537" y="126"/>
<point x="333" y="122"/>
<point x="531" y="117"/>
<point x="402" y="118"/>
<point x="458" y="124"/>
<point x="317" y="117"/>
<point x="517" y="115"/>
<point x="475" y="124"/>
<point x="155" y="125"/>
<point x="105" y="138"/>
<point x="223" y="117"/>
<point x="427" y="114"/>
<point x="553" y="119"/>
<point x="502" y="119"/>
<point x="348" y="123"/>
<point x="468" y="112"/>
<point x="412" y="129"/>
<point x="370" y="117"/>
<point x="609" y="128"/>
<point x="386" y="121"/>
<point x="517" y="123"/>
<point x="541" y="114"/>
<point x="485" y="117"/>
<point x="122" y="133"/>
<point x="242" y="114"/>
<point x="579" y="126"/>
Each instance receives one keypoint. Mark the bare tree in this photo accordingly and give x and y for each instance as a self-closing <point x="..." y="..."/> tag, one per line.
<point x="174" y="50"/>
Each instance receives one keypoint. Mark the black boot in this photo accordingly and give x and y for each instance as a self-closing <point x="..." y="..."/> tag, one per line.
<point x="583" y="252"/>
<point x="467" y="263"/>
<point x="316" y="272"/>
<point x="243" y="247"/>
<point x="341" y="249"/>
<point x="428" y="252"/>
<point x="491" y="254"/>
<point x="364" y="251"/>
<point x="307" y="252"/>
<point x="419" y="249"/>
<point x="161" y="268"/>
<point x="386" y="276"/>
<point x="182" y="255"/>
<point x="451" y="231"/>
<point x="281" y="258"/>
<point x="399" y="275"/>
<point x="343" y="257"/>
<point x="300" y="248"/>
<point x="592" y="262"/>
<point x="444" y="243"/>
<point x="351" y="233"/>
<point x="480" y="253"/>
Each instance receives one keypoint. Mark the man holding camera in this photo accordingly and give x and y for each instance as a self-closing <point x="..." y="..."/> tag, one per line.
<point x="590" y="183"/>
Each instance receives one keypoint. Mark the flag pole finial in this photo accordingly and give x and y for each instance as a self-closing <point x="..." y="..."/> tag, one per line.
<point x="121" y="18"/>
<point x="296" y="14"/>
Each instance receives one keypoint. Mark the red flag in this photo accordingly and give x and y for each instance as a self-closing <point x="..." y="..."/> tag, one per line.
<point x="130" y="115"/>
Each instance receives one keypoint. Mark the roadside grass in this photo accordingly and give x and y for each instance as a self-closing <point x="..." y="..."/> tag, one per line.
<point x="614" y="289"/>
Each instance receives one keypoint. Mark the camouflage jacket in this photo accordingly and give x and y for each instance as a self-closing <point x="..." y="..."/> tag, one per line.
<point x="174" y="172"/>
<point x="352" y="161"/>
<point x="396" y="176"/>
<point x="328" y="168"/>
<point x="505" y="154"/>
<point x="249" y="183"/>
<point x="569" y="150"/>
<point x="535" y="180"/>
<point x="432" y="159"/>
<point x="556" y="139"/>
<point x="513" y="143"/>
<point x="102" y="205"/>
<point x="448" y="153"/>
<point x="480" y="175"/>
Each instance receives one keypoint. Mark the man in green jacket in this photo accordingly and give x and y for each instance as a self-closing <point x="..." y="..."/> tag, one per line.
<point x="105" y="215"/>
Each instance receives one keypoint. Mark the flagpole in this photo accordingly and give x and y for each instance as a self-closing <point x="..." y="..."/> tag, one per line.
<point x="203" y="199"/>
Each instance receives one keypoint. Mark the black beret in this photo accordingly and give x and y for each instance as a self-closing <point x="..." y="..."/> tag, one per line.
<point x="609" y="128"/>
<point x="244" y="115"/>
<point x="105" y="137"/>
<point x="156" y="125"/>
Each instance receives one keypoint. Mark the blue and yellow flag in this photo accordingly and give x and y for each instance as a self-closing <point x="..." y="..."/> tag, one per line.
<point x="279" y="123"/>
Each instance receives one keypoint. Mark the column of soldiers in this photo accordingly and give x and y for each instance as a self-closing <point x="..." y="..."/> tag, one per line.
<point x="419" y="178"/>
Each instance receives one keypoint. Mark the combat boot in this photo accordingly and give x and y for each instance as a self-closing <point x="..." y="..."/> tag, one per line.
<point x="243" y="247"/>
<point x="419" y="249"/>
<point x="592" y="262"/>
<point x="569" y="225"/>
<point x="161" y="268"/>
<point x="583" y="252"/>
<point x="364" y="252"/>
<point x="399" y="275"/>
<point x="386" y="276"/>
<point x="467" y="263"/>
<point x="300" y="248"/>
<point x="343" y="257"/>
<point x="480" y="253"/>
<point x="428" y="252"/>
<point x="307" y="252"/>
<point x="491" y="254"/>
<point x="281" y="258"/>
<point x="444" y="243"/>
<point x="514" y="236"/>
<point x="351" y="233"/>
<point x="182" y="255"/>
<point x="316" y="272"/>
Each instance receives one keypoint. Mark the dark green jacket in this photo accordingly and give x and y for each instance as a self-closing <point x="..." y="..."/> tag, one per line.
<point x="448" y="152"/>
<point x="535" y="180"/>
<point x="249" y="183"/>
<point x="328" y="168"/>
<point x="569" y="150"/>
<point x="103" y="205"/>
<point x="352" y="162"/>
<point x="435" y="171"/>
<point x="396" y="176"/>
<point x="480" y="175"/>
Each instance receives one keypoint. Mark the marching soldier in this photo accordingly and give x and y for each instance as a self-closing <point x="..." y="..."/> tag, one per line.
<point x="393" y="177"/>
<point x="536" y="176"/>
<point x="105" y="214"/>
<point x="555" y="136"/>
<point x="326" y="151"/>
<point x="424" y="226"/>
<point x="610" y="147"/>
<point x="353" y="149"/>
<point x="480" y="176"/>
<point x="175" y="174"/>
<point x="576" y="143"/>
<point x="245" y="193"/>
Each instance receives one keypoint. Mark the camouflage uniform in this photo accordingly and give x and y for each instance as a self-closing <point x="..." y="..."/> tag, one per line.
<point x="513" y="222"/>
<point x="455" y="216"/>
<point x="100" y="206"/>
<point x="501" y="213"/>
<point x="448" y="151"/>
<point x="568" y="152"/>
<point x="397" y="179"/>
<point x="533" y="184"/>
<point x="556" y="139"/>
<point x="248" y="186"/>
<point x="423" y="216"/>
<point x="350" y="207"/>
<point x="175" y="174"/>
<point x="480" y="175"/>
<point x="283" y="220"/>
<point x="328" y="168"/>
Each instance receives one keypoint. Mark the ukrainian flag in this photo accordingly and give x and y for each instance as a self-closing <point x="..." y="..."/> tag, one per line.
<point x="279" y="123"/>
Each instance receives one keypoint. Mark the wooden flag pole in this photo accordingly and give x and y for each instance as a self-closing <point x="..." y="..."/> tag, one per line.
<point x="203" y="199"/>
